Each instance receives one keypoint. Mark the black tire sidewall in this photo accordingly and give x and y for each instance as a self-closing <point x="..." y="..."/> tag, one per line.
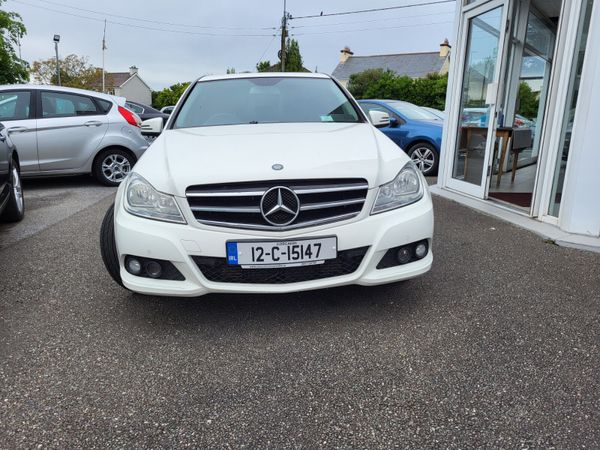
<point x="97" y="169"/>
<point x="436" y="155"/>
<point x="108" y="246"/>
<point x="11" y="211"/>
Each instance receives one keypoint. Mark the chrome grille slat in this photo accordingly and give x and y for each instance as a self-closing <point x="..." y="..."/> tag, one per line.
<point x="233" y="209"/>
<point x="311" y="223"/>
<point x="238" y="205"/>
<point x="311" y="206"/>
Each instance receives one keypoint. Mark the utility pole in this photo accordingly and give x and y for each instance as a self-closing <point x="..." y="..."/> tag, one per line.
<point x="103" y="48"/>
<point x="284" y="20"/>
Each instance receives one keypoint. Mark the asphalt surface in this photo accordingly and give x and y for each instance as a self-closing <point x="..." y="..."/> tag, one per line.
<point x="50" y="200"/>
<point x="498" y="346"/>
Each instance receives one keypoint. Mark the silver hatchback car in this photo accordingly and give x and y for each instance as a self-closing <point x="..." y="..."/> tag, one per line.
<point x="62" y="131"/>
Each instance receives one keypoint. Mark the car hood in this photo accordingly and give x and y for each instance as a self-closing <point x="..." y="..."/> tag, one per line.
<point x="180" y="158"/>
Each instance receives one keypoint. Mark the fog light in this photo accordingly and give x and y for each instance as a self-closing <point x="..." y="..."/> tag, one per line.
<point x="404" y="255"/>
<point x="420" y="250"/>
<point x="153" y="269"/>
<point x="134" y="267"/>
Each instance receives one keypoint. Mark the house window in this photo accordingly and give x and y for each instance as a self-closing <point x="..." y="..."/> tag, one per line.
<point x="569" y="116"/>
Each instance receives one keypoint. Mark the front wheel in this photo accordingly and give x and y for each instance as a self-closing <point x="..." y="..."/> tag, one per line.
<point x="425" y="157"/>
<point x="15" y="208"/>
<point x="108" y="246"/>
<point x="112" y="166"/>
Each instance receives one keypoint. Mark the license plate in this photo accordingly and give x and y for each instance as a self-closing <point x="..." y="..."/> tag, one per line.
<point x="266" y="254"/>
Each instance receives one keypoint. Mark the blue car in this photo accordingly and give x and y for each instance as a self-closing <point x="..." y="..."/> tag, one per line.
<point x="414" y="129"/>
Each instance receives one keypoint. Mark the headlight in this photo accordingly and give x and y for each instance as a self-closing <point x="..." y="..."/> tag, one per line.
<point x="142" y="200"/>
<point x="403" y="190"/>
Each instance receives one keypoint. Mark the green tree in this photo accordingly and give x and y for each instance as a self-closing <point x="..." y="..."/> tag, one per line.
<point x="385" y="84"/>
<point x="12" y="68"/>
<point x="231" y="70"/>
<point x="528" y="101"/>
<point x="169" y="96"/>
<point x="75" y="71"/>
<point x="263" y="66"/>
<point x="360" y="82"/>
<point x="293" y="58"/>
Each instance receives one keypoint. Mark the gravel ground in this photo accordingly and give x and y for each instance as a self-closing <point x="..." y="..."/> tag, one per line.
<point x="498" y="346"/>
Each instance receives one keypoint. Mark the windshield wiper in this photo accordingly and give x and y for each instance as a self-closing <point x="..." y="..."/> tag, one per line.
<point x="253" y="122"/>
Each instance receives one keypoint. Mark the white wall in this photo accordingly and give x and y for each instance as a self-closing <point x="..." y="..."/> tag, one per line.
<point x="580" y="212"/>
<point x="135" y="90"/>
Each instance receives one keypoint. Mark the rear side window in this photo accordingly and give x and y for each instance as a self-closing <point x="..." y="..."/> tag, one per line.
<point x="14" y="105"/>
<point x="60" y="104"/>
<point x="135" y="108"/>
<point x="105" y="105"/>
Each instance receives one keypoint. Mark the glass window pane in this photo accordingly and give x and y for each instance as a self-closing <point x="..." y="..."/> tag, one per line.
<point x="59" y="104"/>
<point x="265" y="100"/>
<point x="569" y="118"/>
<point x="480" y="66"/>
<point x="14" y="105"/>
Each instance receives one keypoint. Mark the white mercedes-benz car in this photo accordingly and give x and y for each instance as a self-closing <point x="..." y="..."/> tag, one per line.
<point x="268" y="183"/>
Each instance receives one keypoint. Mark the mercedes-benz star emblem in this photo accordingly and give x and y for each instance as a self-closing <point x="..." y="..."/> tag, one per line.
<point x="280" y="206"/>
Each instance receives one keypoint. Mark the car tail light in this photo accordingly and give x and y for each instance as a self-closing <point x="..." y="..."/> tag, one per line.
<point x="131" y="118"/>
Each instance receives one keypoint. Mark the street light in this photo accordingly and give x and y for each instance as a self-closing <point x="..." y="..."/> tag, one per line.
<point x="56" y="41"/>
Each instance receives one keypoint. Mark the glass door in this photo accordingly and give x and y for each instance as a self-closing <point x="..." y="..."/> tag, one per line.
<point x="483" y="35"/>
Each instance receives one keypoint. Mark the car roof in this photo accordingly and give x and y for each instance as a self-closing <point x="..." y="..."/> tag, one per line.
<point x="59" y="89"/>
<point x="264" y="75"/>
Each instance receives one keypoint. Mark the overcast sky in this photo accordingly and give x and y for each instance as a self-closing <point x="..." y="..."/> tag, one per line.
<point x="166" y="57"/>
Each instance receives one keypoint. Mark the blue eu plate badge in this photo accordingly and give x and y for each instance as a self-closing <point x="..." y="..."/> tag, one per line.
<point x="232" y="253"/>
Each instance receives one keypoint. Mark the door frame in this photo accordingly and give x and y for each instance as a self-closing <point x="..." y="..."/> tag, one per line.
<point x="451" y="143"/>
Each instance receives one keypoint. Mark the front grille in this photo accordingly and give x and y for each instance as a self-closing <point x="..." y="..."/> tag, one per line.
<point x="238" y="205"/>
<point x="217" y="269"/>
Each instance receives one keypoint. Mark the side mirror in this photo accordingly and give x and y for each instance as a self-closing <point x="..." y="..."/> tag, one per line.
<point x="152" y="127"/>
<point x="394" y="122"/>
<point x="379" y="119"/>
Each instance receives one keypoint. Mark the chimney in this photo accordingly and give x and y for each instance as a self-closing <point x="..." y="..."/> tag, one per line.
<point x="445" y="48"/>
<point x="345" y="54"/>
<point x="132" y="71"/>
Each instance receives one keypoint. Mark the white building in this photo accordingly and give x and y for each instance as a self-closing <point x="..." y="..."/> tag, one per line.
<point x="129" y="85"/>
<point x="522" y="138"/>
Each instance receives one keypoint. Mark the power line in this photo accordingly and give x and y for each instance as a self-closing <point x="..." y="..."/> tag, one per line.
<point x="143" y="27"/>
<point x="157" y="22"/>
<point x="377" y="28"/>
<point x="344" y="13"/>
<point x="267" y="49"/>
<point x="382" y="19"/>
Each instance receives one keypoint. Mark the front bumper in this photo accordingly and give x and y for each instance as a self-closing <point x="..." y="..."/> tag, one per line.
<point x="179" y="243"/>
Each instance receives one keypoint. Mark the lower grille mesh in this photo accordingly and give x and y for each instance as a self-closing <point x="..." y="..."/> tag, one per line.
<point x="217" y="270"/>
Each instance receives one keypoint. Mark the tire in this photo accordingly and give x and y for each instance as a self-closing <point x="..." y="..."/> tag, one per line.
<point x="112" y="165"/>
<point x="14" y="210"/>
<point x="425" y="157"/>
<point x="108" y="247"/>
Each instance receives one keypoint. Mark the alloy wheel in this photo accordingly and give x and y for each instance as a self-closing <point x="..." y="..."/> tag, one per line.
<point x="115" y="167"/>
<point x="423" y="158"/>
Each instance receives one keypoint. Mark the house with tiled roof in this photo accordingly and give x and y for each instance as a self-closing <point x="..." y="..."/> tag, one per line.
<point x="414" y="65"/>
<point x="129" y="85"/>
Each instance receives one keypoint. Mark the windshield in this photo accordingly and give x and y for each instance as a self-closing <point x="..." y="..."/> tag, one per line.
<point x="413" y="112"/>
<point x="265" y="100"/>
